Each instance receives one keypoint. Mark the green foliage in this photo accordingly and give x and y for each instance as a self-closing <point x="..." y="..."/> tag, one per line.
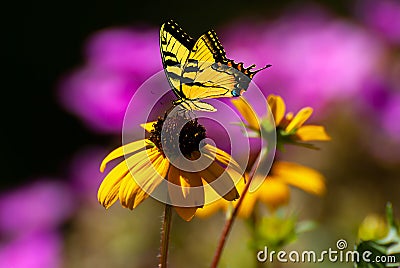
<point x="382" y="249"/>
<point x="277" y="231"/>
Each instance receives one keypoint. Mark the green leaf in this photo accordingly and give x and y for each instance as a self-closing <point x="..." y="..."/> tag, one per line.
<point x="387" y="247"/>
<point x="305" y="226"/>
<point x="267" y="125"/>
<point x="287" y="138"/>
<point x="276" y="232"/>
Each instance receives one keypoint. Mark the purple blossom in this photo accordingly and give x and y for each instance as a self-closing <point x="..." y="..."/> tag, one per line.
<point x="315" y="58"/>
<point x="36" y="250"/>
<point x="376" y="94"/>
<point x="42" y="205"/>
<point x="380" y="104"/>
<point x="382" y="16"/>
<point x="390" y="117"/>
<point x="380" y="101"/>
<point x="135" y="52"/>
<point x="84" y="172"/>
<point x="118" y="61"/>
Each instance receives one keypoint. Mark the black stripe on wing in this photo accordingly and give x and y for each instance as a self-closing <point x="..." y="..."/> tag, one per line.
<point x="215" y="46"/>
<point x="177" y="32"/>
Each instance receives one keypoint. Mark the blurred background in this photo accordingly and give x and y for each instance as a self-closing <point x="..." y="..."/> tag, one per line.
<point x="72" y="68"/>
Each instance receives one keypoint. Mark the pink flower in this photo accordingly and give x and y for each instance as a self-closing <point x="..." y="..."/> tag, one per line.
<point x="390" y="117"/>
<point x="381" y="16"/>
<point x="85" y="172"/>
<point x="36" y="250"/>
<point x="40" y="206"/>
<point x="315" y="58"/>
<point x="118" y="61"/>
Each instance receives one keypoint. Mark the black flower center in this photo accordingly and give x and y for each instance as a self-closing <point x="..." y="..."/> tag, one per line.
<point x="166" y="131"/>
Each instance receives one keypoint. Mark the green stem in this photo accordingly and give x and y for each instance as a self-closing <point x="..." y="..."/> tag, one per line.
<point x="166" y="227"/>
<point x="229" y="223"/>
<point x="253" y="221"/>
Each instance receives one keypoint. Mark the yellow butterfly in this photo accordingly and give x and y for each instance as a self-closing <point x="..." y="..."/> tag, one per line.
<point x="198" y="70"/>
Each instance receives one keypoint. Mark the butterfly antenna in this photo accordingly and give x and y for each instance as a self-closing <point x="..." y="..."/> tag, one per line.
<point x="252" y="73"/>
<point x="265" y="67"/>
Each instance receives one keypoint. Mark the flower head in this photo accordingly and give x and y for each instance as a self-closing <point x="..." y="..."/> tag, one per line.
<point x="290" y="128"/>
<point x="275" y="190"/>
<point x="156" y="165"/>
<point x="373" y="227"/>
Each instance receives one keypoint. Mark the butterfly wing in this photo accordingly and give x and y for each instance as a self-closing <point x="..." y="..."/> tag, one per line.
<point x="202" y="80"/>
<point x="208" y="73"/>
<point x="175" y="46"/>
<point x="199" y="69"/>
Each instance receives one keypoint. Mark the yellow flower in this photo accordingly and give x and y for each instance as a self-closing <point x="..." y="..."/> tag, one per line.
<point x="293" y="125"/>
<point x="373" y="227"/>
<point x="146" y="167"/>
<point x="290" y="128"/>
<point x="275" y="191"/>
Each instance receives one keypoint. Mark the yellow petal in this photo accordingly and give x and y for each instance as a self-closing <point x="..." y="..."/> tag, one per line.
<point x="125" y="149"/>
<point x="247" y="112"/>
<point x="220" y="181"/>
<point x="273" y="193"/>
<point x="277" y="106"/>
<point x="222" y="157"/>
<point x="189" y="181"/>
<point x="245" y="209"/>
<point x="312" y="133"/>
<point x="247" y="206"/>
<point x="142" y="163"/>
<point x="248" y="202"/>
<point x="185" y="189"/>
<point x="109" y="188"/>
<point x="299" y="119"/>
<point x="210" y="209"/>
<point x="133" y="189"/>
<point x="186" y="213"/>
<point x="302" y="177"/>
<point x="289" y="116"/>
<point x="129" y="187"/>
<point x="150" y="177"/>
<point x="149" y="126"/>
<point x="128" y="191"/>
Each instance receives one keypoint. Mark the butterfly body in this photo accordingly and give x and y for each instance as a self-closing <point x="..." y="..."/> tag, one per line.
<point x="198" y="70"/>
